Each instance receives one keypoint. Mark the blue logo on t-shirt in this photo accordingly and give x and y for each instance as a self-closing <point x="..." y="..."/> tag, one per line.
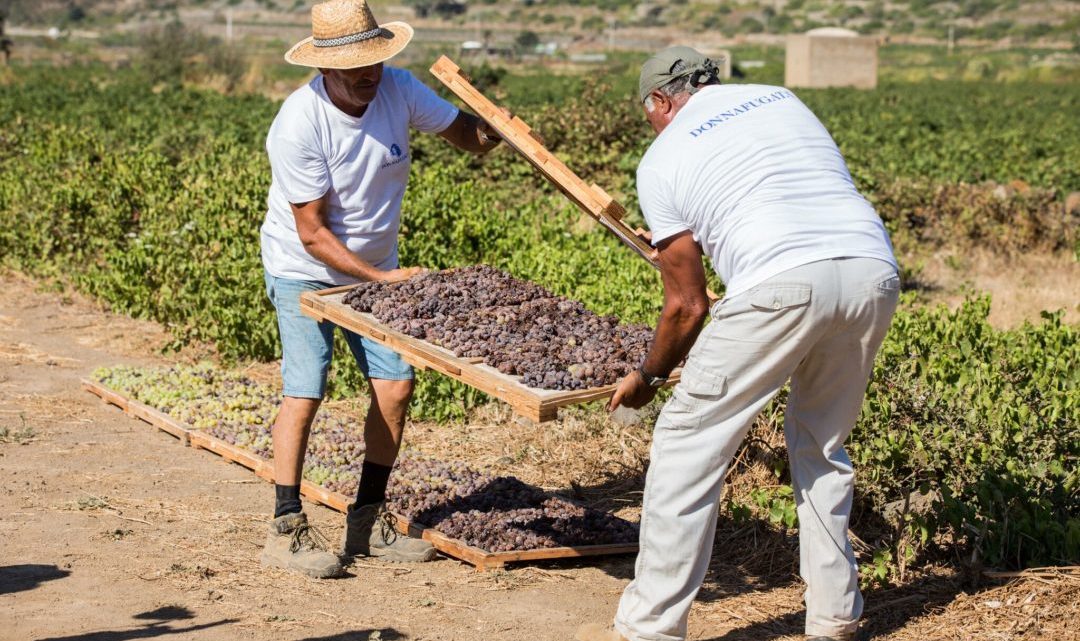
<point x="396" y="156"/>
<point x="735" y="112"/>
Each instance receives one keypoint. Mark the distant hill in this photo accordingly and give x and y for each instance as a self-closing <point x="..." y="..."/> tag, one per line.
<point x="1020" y="21"/>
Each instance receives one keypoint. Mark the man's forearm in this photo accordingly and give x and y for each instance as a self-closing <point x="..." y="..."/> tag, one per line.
<point x="328" y="249"/>
<point x="675" y="335"/>
<point x="465" y="134"/>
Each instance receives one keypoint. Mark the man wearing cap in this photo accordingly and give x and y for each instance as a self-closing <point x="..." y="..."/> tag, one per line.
<point x="746" y="175"/>
<point x="339" y="154"/>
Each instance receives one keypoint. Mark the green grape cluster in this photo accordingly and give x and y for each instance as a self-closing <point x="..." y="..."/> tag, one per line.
<point x="240" y="412"/>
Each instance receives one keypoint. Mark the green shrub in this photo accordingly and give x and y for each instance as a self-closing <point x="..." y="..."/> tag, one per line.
<point x="986" y="421"/>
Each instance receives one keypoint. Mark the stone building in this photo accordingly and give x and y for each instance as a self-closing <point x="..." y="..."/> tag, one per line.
<point x="831" y="57"/>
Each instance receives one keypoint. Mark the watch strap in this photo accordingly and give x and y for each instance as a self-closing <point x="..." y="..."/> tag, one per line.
<point x="650" y="380"/>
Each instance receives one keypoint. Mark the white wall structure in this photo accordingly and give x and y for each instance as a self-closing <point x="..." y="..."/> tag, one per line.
<point x="831" y="57"/>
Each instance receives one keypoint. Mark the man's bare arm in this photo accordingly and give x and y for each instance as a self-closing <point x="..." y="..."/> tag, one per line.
<point x="685" y="308"/>
<point x="685" y="304"/>
<point x="470" y="133"/>
<point x="320" y="242"/>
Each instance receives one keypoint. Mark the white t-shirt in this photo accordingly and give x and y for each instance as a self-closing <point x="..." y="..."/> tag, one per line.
<point x="362" y="163"/>
<point x="757" y="179"/>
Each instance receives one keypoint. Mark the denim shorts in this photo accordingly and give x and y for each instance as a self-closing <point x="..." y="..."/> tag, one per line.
<point x="307" y="345"/>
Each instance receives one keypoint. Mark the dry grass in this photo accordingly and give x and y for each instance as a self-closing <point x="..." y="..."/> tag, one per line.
<point x="1033" y="606"/>
<point x="67" y="312"/>
<point x="23" y="354"/>
<point x="1021" y="285"/>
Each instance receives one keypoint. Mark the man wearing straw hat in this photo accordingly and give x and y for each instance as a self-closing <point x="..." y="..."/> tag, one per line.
<point x="339" y="154"/>
<point x="748" y="176"/>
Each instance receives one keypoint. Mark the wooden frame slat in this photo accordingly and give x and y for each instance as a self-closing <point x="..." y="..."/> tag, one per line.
<point x="591" y="198"/>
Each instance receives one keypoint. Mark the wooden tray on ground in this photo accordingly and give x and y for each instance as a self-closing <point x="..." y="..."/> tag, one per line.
<point x="481" y="559"/>
<point x="533" y="403"/>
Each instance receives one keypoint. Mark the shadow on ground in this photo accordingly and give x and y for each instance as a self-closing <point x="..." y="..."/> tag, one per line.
<point x="19" y="578"/>
<point x="384" y="634"/>
<point x="887" y="610"/>
<point x="159" y="626"/>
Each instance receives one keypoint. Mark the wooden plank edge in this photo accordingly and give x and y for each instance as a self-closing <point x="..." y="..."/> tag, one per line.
<point x="104" y="393"/>
<point x="160" y="420"/>
<point x="518" y="135"/>
<point x="245" y="458"/>
<point x="440" y="358"/>
<point x="566" y="552"/>
<point x="404" y="345"/>
<point x="319" y="494"/>
<point x="138" y="410"/>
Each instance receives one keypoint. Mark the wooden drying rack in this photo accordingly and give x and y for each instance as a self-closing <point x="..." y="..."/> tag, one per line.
<point x="591" y="198"/>
<point x="264" y="469"/>
<point x="536" y="404"/>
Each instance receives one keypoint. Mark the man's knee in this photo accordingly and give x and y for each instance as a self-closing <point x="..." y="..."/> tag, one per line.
<point x="298" y="411"/>
<point x="393" y="393"/>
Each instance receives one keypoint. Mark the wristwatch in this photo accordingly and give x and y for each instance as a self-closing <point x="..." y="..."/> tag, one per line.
<point x="485" y="138"/>
<point x="650" y="380"/>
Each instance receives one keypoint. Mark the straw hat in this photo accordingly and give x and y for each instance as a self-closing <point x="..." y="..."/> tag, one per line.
<point x="344" y="35"/>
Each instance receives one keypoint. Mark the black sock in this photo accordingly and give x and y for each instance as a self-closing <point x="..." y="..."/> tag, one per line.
<point x="288" y="500"/>
<point x="373" y="480"/>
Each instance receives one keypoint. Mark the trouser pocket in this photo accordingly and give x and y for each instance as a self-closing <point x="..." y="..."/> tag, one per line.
<point x="774" y="297"/>
<point x="888" y="287"/>
<point x="697" y="390"/>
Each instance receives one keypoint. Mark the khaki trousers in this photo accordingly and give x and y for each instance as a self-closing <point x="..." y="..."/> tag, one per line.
<point x="819" y="325"/>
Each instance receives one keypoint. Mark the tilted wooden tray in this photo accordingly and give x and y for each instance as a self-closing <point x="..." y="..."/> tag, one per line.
<point x="591" y="198"/>
<point x="481" y="559"/>
<point x="533" y="403"/>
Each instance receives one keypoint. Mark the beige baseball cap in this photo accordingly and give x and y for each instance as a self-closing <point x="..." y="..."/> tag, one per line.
<point x="659" y="69"/>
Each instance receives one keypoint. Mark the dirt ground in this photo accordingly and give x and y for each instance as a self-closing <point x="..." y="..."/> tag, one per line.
<point x="112" y="530"/>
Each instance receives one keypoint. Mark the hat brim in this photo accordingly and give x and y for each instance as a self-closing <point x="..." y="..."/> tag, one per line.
<point x="350" y="56"/>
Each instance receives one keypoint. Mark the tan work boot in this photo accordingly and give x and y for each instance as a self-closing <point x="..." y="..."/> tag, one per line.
<point x="370" y="531"/>
<point x="294" y="545"/>
<point x="597" y="632"/>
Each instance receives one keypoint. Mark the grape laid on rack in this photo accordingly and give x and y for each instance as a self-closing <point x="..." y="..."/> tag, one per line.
<point x="240" y="412"/>
<point x="515" y="326"/>
<point x="496" y="514"/>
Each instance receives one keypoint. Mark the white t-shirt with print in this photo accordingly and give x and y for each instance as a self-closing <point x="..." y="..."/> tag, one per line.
<point x="757" y="179"/>
<point x="361" y="163"/>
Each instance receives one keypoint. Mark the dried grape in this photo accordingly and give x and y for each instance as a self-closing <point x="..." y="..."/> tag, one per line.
<point x="496" y="514"/>
<point x="515" y="326"/>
